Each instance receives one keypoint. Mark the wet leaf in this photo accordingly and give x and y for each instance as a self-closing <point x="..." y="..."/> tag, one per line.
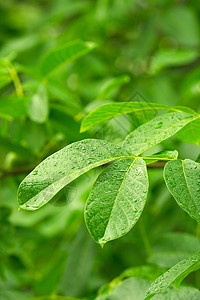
<point x="183" y="181"/>
<point x="117" y="200"/>
<point x="156" y="131"/>
<point x="64" y="166"/>
<point x="176" y="273"/>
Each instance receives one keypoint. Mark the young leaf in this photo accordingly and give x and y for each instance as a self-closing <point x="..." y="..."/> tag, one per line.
<point x="176" y="274"/>
<point x="117" y="200"/>
<point x="106" y="112"/>
<point x="155" y="131"/>
<point x="64" y="166"/>
<point x="56" y="58"/>
<point x="183" y="181"/>
<point x="111" y="85"/>
<point x="38" y="106"/>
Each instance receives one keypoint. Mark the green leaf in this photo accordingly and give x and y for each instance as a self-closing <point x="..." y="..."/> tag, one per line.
<point x="61" y="96"/>
<point x="171" y="57"/>
<point x="176" y="273"/>
<point x="190" y="133"/>
<point x="111" y="85"/>
<point x="184" y="33"/>
<point x="116" y="200"/>
<point x="183" y="181"/>
<point x="131" y="288"/>
<point x="155" y="131"/>
<point x="148" y="272"/>
<point x="64" y="166"/>
<point x="56" y="58"/>
<point x="106" y="112"/>
<point x="38" y="106"/>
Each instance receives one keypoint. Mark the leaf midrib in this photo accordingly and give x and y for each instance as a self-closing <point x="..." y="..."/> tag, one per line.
<point x="72" y="174"/>
<point x="118" y="192"/>
<point x="184" y="174"/>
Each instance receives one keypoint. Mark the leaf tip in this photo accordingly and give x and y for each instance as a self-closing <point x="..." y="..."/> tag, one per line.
<point x="82" y="129"/>
<point x="102" y="242"/>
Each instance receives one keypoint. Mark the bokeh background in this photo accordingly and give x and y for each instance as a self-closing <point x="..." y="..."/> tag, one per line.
<point x="146" y="51"/>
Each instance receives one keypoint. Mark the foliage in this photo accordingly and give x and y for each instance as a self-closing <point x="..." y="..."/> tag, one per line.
<point x="100" y="120"/>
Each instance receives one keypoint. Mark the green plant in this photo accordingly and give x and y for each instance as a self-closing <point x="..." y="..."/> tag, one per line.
<point x="86" y="120"/>
<point x="119" y="194"/>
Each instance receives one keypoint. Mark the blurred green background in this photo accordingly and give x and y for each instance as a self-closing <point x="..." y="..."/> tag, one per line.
<point x="146" y="51"/>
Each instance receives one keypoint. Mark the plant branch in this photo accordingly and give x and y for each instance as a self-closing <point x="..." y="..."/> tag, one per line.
<point x="15" y="78"/>
<point x="24" y="170"/>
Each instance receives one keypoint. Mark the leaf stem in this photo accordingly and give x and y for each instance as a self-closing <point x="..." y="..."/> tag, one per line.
<point x="15" y="78"/>
<point x="145" y="238"/>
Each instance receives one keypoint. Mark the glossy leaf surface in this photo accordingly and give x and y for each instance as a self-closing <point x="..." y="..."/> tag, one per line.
<point x="176" y="273"/>
<point x="117" y="200"/>
<point x="183" y="181"/>
<point x="156" y="131"/>
<point x="64" y="166"/>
